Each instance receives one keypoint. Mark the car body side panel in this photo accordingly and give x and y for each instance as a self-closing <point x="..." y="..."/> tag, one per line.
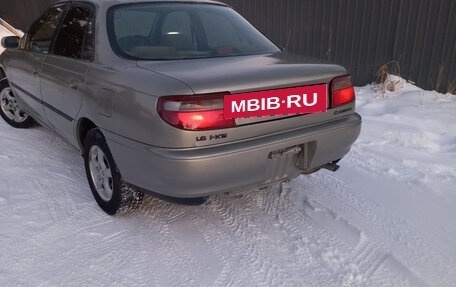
<point x="62" y="88"/>
<point x="130" y="97"/>
<point x="23" y="70"/>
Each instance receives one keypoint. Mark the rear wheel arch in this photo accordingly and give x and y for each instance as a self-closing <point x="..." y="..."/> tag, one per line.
<point x="84" y="126"/>
<point x="2" y="73"/>
<point x="112" y="193"/>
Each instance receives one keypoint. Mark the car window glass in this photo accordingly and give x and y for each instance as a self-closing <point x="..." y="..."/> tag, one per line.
<point x="176" y="23"/>
<point x="74" y="39"/>
<point x="213" y="24"/>
<point x="133" y="26"/>
<point x="40" y="35"/>
<point x="131" y="22"/>
<point x="183" y="31"/>
<point x="176" y="32"/>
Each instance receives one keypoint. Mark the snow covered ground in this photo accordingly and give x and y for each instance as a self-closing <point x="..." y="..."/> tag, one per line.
<point x="386" y="218"/>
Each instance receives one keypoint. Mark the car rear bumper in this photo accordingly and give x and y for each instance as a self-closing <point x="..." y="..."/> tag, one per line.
<point x="197" y="172"/>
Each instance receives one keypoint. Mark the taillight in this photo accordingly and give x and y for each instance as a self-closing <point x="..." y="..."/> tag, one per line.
<point x="342" y="91"/>
<point x="194" y="112"/>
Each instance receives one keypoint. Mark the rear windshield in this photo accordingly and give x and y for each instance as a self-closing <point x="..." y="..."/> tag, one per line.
<point x="165" y="31"/>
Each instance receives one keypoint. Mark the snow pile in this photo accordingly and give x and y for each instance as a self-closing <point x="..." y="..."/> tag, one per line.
<point x="391" y="83"/>
<point x="386" y="218"/>
<point x="417" y="129"/>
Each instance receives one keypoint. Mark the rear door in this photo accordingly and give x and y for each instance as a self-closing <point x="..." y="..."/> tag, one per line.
<point x="64" y="71"/>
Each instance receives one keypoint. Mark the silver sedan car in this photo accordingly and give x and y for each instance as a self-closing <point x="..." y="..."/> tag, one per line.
<point x="182" y="99"/>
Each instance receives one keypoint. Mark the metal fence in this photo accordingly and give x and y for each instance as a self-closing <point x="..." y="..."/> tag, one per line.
<point x="362" y="35"/>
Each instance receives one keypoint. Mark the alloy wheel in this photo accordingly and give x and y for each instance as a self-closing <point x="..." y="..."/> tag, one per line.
<point x="10" y="108"/>
<point x="101" y="173"/>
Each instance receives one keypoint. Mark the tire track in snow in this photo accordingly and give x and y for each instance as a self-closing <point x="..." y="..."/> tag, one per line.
<point x="326" y="250"/>
<point x="246" y="228"/>
<point x="250" y="243"/>
<point x="227" y="276"/>
<point x="364" y="213"/>
<point x="244" y="248"/>
<point x="329" y="252"/>
<point x="177" y="265"/>
<point x="267" y="230"/>
<point x="283" y="230"/>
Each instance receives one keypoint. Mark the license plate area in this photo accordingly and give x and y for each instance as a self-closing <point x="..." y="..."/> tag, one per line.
<point x="301" y="155"/>
<point x="279" y="102"/>
<point x="283" y="153"/>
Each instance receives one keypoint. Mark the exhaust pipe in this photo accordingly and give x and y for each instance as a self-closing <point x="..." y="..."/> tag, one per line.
<point x="331" y="166"/>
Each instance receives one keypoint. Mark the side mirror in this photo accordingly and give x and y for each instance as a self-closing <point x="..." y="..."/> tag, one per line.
<point x="10" y="42"/>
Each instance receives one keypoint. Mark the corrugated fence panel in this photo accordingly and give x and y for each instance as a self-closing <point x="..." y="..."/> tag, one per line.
<point x="21" y="13"/>
<point x="361" y="35"/>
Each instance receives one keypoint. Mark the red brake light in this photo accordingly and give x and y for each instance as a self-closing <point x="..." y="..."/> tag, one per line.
<point x="194" y="112"/>
<point x="342" y="91"/>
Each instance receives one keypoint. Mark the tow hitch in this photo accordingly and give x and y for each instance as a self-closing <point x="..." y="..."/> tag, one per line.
<point x="285" y="152"/>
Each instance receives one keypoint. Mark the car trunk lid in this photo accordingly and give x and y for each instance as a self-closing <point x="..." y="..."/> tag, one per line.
<point x="245" y="73"/>
<point x="235" y="75"/>
<point x="242" y="74"/>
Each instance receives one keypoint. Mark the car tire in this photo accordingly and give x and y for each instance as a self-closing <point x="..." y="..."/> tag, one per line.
<point x="112" y="193"/>
<point x="9" y="109"/>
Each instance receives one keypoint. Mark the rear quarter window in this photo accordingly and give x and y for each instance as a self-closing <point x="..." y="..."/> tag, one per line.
<point x="75" y="37"/>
